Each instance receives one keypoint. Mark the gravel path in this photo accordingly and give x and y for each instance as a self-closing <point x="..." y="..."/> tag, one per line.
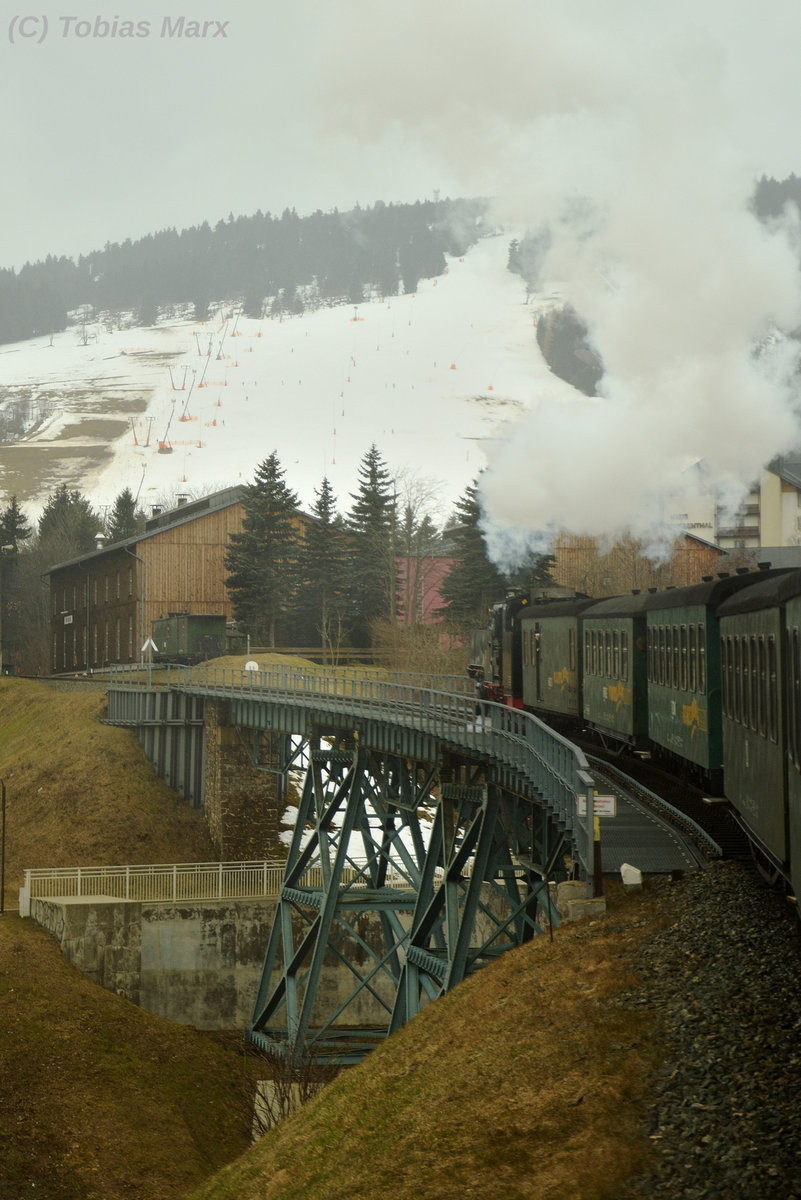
<point x="726" y="981"/>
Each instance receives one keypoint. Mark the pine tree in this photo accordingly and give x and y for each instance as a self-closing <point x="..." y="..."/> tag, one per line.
<point x="371" y="522"/>
<point x="474" y="582"/>
<point x="124" y="521"/>
<point x="322" y="599"/>
<point x="262" y="559"/>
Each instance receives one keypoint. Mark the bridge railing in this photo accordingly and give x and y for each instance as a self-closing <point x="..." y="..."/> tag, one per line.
<point x="444" y="706"/>
<point x="177" y="882"/>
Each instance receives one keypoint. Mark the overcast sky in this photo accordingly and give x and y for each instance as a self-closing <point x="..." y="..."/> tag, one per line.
<point x="323" y="103"/>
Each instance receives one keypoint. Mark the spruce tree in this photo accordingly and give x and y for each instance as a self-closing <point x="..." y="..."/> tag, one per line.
<point x="473" y="583"/>
<point x="262" y="559"/>
<point x="124" y="521"/>
<point x="14" y="526"/>
<point x="322" y="598"/>
<point x="373" y="571"/>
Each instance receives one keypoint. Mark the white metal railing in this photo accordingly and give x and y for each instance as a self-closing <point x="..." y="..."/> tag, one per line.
<point x="172" y="882"/>
<point x="182" y="882"/>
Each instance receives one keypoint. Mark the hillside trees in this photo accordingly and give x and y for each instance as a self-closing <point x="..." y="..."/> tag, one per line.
<point x="252" y="258"/>
<point x="262" y="560"/>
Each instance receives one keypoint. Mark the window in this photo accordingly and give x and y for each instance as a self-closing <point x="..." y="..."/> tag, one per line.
<point x="608" y="654"/>
<point x="754" y="681"/>
<point x="773" y="692"/>
<point x="624" y="655"/>
<point x="675" y="671"/>
<point x="693" y="680"/>
<point x="701" y="661"/>
<point x="661" y="675"/>
<point x="683" y="657"/>
<point x="616" y="655"/>
<point x="130" y="582"/>
<point x="571" y="648"/>
<point x="669" y="656"/>
<point x="737" y="708"/>
<point x="763" y="686"/>
<point x="649" y="653"/>
<point x="587" y="652"/>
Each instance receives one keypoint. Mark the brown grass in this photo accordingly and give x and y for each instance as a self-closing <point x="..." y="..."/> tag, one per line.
<point x="79" y="793"/>
<point x="530" y="1079"/>
<point x="98" y="1099"/>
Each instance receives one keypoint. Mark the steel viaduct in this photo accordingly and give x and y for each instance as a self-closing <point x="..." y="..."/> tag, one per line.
<point x="427" y="840"/>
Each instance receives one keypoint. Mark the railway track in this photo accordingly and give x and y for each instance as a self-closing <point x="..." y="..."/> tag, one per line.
<point x="705" y="821"/>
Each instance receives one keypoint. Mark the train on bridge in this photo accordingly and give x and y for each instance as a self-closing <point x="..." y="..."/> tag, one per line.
<point x="706" y="677"/>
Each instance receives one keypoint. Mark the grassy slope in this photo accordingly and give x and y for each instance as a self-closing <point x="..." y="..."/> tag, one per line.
<point x="530" y="1079"/>
<point x="80" y="793"/>
<point x="97" y="1098"/>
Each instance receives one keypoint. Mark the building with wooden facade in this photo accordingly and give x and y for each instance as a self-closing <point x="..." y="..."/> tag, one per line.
<point x="103" y="604"/>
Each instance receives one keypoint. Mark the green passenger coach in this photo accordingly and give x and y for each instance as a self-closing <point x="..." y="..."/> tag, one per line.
<point x="614" y="660"/>
<point x="684" y="685"/>
<point x="551" y="656"/>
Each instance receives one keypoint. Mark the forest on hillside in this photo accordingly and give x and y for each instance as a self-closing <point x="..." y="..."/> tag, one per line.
<point x="280" y="264"/>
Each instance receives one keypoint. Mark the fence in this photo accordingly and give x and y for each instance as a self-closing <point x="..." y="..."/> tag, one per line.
<point x="175" y="882"/>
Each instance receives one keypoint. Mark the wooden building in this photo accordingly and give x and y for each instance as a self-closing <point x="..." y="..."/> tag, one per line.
<point x="103" y="604"/>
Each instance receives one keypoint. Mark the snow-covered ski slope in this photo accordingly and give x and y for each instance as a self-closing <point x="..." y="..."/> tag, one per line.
<point x="190" y="407"/>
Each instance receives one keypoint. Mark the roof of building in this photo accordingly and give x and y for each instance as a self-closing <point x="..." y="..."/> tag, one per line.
<point x="182" y="514"/>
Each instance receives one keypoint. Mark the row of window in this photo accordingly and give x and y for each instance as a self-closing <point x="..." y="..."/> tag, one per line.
<point x="103" y="639"/>
<point x="749" y="680"/>
<point x="606" y="653"/>
<point x="78" y="595"/>
<point x="677" y="657"/>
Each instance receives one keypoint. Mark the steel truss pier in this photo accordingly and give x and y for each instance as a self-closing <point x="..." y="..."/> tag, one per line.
<point x="410" y="875"/>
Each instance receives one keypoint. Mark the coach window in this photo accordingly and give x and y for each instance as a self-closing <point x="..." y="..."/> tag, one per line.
<point x="701" y="660"/>
<point x="624" y="655"/>
<point x="693" y="659"/>
<point x="763" y="686"/>
<point x="608" y="646"/>
<point x="724" y="676"/>
<point x="595" y="652"/>
<point x="661" y="664"/>
<point x="737" y="707"/>
<point x="773" y="691"/>
<point x="675" y="671"/>
<point x="587" y="652"/>
<point x="683" y="660"/>
<point x="745" y="666"/>
<point x="754" y="663"/>
<point x="616" y="655"/>
<point x="649" y="652"/>
<point x="571" y="648"/>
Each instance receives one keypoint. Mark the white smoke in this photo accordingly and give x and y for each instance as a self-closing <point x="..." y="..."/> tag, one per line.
<point x="635" y="135"/>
